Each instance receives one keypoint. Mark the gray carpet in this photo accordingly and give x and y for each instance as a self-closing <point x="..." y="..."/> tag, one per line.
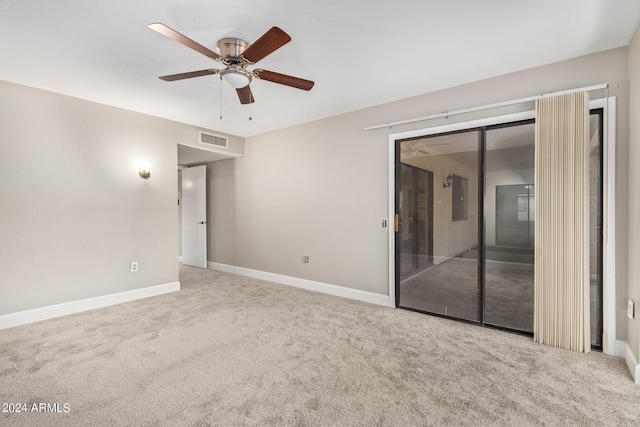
<point x="228" y="350"/>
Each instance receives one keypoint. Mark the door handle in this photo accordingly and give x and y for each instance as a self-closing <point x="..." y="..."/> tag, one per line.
<point x="203" y="222"/>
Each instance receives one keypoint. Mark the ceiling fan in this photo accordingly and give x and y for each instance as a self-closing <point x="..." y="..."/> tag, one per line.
<point x="236" y="55"/>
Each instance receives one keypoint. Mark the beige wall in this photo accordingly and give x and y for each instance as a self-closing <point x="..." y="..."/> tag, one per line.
<point x="633" y="230"/>
<point x="317" y="190"/>
<point x="320" y="189"/>
<point x="75" y="212"/>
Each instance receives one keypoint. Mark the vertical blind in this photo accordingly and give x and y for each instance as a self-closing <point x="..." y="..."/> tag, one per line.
<point x="561" y="312"/>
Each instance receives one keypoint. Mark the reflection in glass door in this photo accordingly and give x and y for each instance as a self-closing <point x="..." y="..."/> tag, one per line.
<point x="416" y="220"/>
<point x="438" y="187"/>
<point x="515" y="214"/>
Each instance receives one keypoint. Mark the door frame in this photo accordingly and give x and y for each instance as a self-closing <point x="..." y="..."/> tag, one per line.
<point x="609" y="343"/>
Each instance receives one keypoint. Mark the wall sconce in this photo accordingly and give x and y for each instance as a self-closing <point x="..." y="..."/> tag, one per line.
<point x="448" y="181"/>
<point x="144" y="173"/>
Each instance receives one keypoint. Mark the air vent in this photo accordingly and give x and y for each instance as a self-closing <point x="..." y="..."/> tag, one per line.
<point x="215" y="140"/>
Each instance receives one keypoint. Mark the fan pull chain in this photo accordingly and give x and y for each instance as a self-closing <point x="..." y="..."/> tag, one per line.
<point x="220" y="97"/>
<point x="250" y="104"/>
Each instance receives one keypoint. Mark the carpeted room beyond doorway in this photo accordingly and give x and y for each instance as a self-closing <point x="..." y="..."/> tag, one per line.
<point x="230" y="350"/>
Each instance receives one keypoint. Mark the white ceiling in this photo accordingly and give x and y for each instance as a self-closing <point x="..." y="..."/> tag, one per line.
<point x="359" y="53"/>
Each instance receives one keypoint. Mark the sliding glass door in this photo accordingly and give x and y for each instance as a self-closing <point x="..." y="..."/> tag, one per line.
<point x="437" y="240"/>
<point x="595" y="229"/>
<point x="509" y="215"/>
<point x="466" y="225"/>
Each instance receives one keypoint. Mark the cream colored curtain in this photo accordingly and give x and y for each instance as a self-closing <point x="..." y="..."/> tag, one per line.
<point x="561" y="314"/>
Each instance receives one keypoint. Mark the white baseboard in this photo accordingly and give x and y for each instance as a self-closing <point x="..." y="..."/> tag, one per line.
<point x="632" y="363"/>
<point x="311" y="285"/>
<point x="49" y="312"/>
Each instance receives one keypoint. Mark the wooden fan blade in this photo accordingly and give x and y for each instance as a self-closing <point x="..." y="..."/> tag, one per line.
<point x="284" y="79"/>
<point x="182" y="39"/>
<point x="245" y="95"/>
<point x="268" y="43"/>
<point x="191" y="74"/>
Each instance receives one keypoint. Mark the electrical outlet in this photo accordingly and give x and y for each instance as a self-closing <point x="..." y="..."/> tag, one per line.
<point x="305" y="259"/>
<point x="134" y="266"/>
<point x="384" y="223"/>
<point x="631" y="310"/>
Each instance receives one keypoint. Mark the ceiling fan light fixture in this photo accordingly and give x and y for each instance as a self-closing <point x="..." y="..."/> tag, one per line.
<point x="235" y="78"/>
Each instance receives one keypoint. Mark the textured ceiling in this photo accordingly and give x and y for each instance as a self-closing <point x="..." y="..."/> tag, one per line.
<point x="359" y="53"/>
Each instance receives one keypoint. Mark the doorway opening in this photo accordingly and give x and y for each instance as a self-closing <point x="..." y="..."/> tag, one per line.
<point x="193" y="214"/>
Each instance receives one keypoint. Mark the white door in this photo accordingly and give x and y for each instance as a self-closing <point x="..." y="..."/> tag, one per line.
<point x="194" y="216"/>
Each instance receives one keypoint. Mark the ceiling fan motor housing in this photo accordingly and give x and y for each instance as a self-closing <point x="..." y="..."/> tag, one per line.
<point x="231" y="50"/>
<point x="232" y="47"/>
